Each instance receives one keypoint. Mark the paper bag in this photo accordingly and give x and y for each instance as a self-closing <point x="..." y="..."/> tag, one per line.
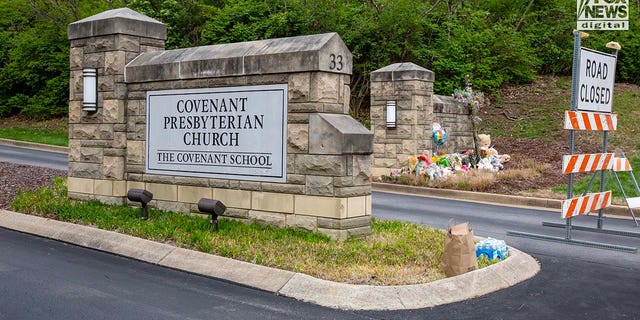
<point x="459" y="254"/>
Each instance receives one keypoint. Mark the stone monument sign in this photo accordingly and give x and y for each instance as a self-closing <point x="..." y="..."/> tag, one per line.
<point x="262" y="126"/>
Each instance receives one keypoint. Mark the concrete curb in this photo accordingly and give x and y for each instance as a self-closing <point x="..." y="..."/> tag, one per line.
<point x="517" y="268"/>
<point x="490" y="198"/>
<point x="33" y="145"/>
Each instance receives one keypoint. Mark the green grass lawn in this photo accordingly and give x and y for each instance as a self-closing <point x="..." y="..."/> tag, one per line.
<point x="395" y="253"/>
<point x="52" y="131"/>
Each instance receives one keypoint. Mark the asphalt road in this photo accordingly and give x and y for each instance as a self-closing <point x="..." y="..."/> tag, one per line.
<point x="32" y="157"/>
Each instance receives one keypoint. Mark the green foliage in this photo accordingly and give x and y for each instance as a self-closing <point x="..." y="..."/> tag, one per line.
<point x="493" y="41"/>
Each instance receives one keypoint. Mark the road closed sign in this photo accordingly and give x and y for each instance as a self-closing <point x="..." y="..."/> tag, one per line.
<point x="597" y="76"/>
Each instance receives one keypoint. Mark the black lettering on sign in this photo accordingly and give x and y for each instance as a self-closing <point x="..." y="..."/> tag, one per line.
<point x="335" y="62"/>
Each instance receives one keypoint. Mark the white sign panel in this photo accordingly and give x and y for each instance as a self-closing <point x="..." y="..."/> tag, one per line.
<point x="603" y="14"/>
<point x="596" y="79"/>
<point x="235" y="133"/>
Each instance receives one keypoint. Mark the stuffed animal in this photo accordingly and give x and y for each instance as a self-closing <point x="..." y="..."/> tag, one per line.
<point x="487" y="151"/>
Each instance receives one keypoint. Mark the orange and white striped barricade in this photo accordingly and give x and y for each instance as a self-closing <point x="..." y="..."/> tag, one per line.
<point x="622" y="164"/>
<point x="587" y="162"/>
<point x="594" y="121"/>
<point x="582" y="205"/>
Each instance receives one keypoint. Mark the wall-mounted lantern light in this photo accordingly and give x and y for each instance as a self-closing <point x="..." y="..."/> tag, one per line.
<point x="142" y="196"/>
<point x="90" y="89"/>
<point x="212" y="207"/>
<point x="391" y="114"/>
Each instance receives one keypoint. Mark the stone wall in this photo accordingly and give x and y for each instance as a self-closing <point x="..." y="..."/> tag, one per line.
<point x="328" y="154"/>
<point x="411" y="88"/>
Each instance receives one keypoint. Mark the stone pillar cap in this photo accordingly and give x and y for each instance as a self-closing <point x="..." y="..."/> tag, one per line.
<point x="117" y="21"/>
<point x="402" y="71"/>
<point x="320" y="52"/>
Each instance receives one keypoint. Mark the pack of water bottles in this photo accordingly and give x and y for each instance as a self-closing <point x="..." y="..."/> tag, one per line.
<point x="492" y="249"/>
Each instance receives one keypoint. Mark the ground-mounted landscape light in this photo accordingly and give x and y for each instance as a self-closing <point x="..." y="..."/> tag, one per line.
<point x="213" y="207"/>
<point x="90" y="89"/>
<point x="142" y="196"/>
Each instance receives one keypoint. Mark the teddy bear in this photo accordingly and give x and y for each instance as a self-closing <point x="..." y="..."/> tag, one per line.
<point x="487" y="151"/>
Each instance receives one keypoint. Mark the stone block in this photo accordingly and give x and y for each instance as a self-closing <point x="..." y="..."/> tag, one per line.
<point x="120" y="188"/>
<point x="401" y="72"/>
<point x="75" y="58"/>
<point x="297" y="138"/>
<point x="236" y="213"/>
<point x="117" y="21"/>
<point x="120" y="141"/>
<point x="125" y="42"/>
<point x="343" y="224"/>
<point x="410" y="147"/>
<point x="282" y="188"/>
<point x="84" y="131"/>
<point x="219" y="183"/>
<point x="114" y="62"/>
<point x="156" y="178"/>
<point x="80" y="196"/>
<point x="295" y="179"/>
<point x="113" y="168"/>
<point x="346" y="99"/>
<point x="85" y="170"/>
<point x="338" y="134"/>
<point x="103" y="187"/>
<point x="301" y="222"/>
<point x="240" y="199"/>
<point x="333" y="108"/>
<point x="335" y="234"/>
<point x="275" y="202"/>
<point x="135" y="152"/>
<point x="163" y="191"/>
<point x="359" y="232"/>
<point x="135" y="185"/>
<point x="74" y="150"/>
<point x="299" y="87"/>
<point x="343" y="181"/>
<point x="113" y="111"/>
<point x="193" y="194"/>
<point x="318" y="206"/>
<point x="368" y="205"/>
<point x="356" y="206"/>
<point x="93" y="60"/>
<point x="110" y="200"/>
<point x="325" y="87"/>
<point x="113" y="152"/>
<point x="80" y="185"/>
<point x="172" y="206"/>
<point x="75" y="111"/>
<point x="319" y="185"/>
<point x="320" y="165"/>
<point x="305" y="107"/>
<point x="362" y="169"/>
<point x="188" y="181"/>
<point x="268" y="218"/>
<point x="352" y="191"/>
<point x="105" y="84"/>
<point x="384" y="163"/>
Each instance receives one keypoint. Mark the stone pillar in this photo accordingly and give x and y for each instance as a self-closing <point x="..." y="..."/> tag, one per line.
<point x="411" y="87"/>
<point x="98" y="140"/>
